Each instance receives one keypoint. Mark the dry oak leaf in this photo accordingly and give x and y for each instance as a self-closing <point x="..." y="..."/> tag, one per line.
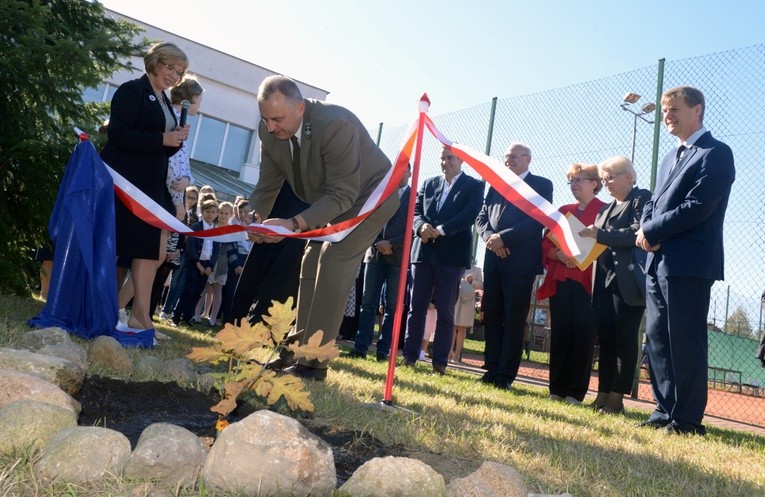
<point x="280" y="318"/>
<point x="228" y="404"/>
<point x="240" y="340"/>
<point x="313" y="349"/>
<point x="291" y="387"/>
<point x="212" y="355"/>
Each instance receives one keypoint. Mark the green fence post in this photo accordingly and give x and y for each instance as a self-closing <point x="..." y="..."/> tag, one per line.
<point x="657" y="123"/>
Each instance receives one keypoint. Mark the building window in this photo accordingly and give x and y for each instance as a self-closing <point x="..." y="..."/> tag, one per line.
<point x="209" y="140"/>
<point x="103" y="93"/>
<point x="237" y="147"/>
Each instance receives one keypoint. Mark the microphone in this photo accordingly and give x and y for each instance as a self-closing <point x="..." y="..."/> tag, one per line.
<point x="184" y="113"/>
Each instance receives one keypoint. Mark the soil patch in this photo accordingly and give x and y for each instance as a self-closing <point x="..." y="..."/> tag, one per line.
<point x="129" y="407"/>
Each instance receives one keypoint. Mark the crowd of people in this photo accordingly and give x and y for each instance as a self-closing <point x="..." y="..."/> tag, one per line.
<point x="661" y="251"/>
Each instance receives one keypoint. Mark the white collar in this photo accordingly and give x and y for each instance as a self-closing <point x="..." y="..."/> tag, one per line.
<point x="692" y="139"/>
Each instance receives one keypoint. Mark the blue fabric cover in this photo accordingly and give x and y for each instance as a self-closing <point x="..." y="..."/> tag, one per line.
<point x="82" y="298"/>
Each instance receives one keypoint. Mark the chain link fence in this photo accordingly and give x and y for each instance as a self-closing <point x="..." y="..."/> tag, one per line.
<point x="588" y="122"/>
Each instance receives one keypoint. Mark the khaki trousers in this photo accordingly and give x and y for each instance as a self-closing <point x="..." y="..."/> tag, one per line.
<point x="327" y="274"/>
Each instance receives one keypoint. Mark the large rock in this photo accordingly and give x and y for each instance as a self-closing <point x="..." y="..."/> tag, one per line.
<point x="149" y="366"/>
<point x="36" y="339"/>
<point x="394" y="477"/>
<point x="28" y="424"/>
<point x="270" y="454"/>
<point x="180" y="369"/>
<point x="56" y="342"/>
<point x="15" y="385"/>
<point x="107" y="352"/>
<point x="83" y="454"/>
<point x="490" y="480"/>
<point x="168" y="453"/>
<point x="64" y="373"/>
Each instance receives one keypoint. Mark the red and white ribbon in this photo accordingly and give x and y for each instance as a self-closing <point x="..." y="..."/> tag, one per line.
<point x="507" y="183"/>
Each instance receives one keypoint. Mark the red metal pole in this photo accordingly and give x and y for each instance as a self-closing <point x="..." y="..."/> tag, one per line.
<point x="388" y="395"/>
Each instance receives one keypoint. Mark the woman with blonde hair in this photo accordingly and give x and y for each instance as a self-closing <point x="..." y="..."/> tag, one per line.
<point x="142" y="134"/>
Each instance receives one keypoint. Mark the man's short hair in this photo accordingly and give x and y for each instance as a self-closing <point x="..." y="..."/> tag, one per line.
<point x="283" y="85"/>
<point x="523" y="146"/>
<point x="690" y="95"/>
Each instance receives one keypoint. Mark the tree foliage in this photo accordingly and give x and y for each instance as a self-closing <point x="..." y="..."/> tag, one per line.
<point x="738" y="324"/>
<point x="50" y="51"/>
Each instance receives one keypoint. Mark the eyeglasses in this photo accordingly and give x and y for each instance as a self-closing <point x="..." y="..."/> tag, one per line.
<point x="178" y="73"/>
<point x="515" y="157"/>
<point x="574" y="181"/>
<point x="612" y="177"/>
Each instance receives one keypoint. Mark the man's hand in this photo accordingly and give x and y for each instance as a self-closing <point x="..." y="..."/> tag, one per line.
<point x="502" y="252"/>
<point x="384" y="247"/>
<point x="642" y="242"/>
<point x="495" y="242"/>
<point x="570" y="262"/>
<point x="428" y="233"/>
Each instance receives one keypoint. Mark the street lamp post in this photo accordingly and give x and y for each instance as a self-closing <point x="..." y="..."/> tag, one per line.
<point x="627" y="101"/>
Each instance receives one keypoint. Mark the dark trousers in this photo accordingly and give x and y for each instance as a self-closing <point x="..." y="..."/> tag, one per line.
<point x="505" y="304"/>
<point x="376" y="275"/>
<point x="177" y="283"/>
<point x="676" y="330"/>
<point x="572" y="340"/>
<point x="431" y="280"/>
<point x="192" y="289"/>
<point x="618" y="326"/>
<point x="271" y="272"/>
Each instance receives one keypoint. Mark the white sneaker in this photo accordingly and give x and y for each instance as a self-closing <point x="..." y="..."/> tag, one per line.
<point x="422" y="355"/>
<point x="161" y="336"/>
<point x="163" y="316"/>
<point x="123" y="316"/>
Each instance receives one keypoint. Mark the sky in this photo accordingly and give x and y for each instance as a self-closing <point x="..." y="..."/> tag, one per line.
<point x="377" y="58"/>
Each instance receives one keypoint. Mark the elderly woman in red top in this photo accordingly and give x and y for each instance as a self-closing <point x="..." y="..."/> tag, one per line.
<point x="572" y="328"/>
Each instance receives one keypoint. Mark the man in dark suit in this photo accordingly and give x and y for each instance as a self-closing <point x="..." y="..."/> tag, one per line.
<point x="328" y="158"/>
<point x="682" y="230"/>
<point x="444" y="213"/>
<point x="512" y="261"/>
<point x="383" y="265"/>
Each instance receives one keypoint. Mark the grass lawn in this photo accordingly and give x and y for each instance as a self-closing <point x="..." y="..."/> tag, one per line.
<point x="454" y="423"/>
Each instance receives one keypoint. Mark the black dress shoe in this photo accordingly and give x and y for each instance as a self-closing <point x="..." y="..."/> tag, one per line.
<point x="655" y="424"/>
<point x="682" y="429"/>
<point x="353" y="354"/>
<point x="439" y="368"/>
<point x="305" y="372"/>
<point x="279" y="363"/>
<point x="488" y="377"/>
<point x="502" y="383"/>
<point x="407" y="363"/>
<point x="382" y="357"/>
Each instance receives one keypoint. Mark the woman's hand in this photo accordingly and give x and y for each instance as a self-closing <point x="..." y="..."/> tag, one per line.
<point x="176" y="137"/>
<point x="590" y="231"/>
